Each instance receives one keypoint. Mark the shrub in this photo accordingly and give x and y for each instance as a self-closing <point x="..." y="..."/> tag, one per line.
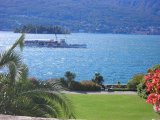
<point x="156" y="67"/>
<point x="137" y="79"/>
<point x="85" y="86"/>
<point x="141" y="90"/>
<point x="76" y="86"/>
<point x="64" y="83"/>
<point x="152" y="81"/>
<point x="34" y="81"/>
<point x="90" y="86"/>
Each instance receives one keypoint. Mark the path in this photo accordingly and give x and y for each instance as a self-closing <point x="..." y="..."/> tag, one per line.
<point x="103" y="92"/>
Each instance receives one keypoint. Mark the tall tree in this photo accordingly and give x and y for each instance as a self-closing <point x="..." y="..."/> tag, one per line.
<point x="70" y="77"/>
<point x="98" y="79"/>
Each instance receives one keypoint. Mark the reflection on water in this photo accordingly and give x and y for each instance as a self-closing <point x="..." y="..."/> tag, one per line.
<point x="116" y="57"/>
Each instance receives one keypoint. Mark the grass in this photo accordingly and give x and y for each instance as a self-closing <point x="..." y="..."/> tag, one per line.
<point x="112" y="107"/>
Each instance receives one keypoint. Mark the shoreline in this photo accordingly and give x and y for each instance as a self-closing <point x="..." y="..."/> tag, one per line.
<point x="89" y="33"/>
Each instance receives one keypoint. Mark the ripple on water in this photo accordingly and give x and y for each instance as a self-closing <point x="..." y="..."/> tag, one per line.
<point x="116" y="57"/>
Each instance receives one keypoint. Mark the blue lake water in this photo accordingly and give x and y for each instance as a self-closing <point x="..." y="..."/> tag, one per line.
<point x="116" y="57"/>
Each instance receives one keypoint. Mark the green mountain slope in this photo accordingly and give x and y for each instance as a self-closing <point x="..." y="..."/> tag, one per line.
<point x="115" y="16"/>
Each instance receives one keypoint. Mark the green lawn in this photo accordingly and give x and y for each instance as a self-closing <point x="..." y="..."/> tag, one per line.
<point x="112" y="107"/>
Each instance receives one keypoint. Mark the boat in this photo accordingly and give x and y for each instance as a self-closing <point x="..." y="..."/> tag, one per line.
<point x="52" y="43"/>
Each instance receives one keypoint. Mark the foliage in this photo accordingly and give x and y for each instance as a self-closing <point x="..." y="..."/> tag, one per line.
<point x="69" y="78"/>
<point x="85" y="86"/>
<point x="155" y="67"/>
<point x="76" y="86"/>
<point x="152" y="81"/>
<point x="137" y="79"/>
<point x="64" y="83"/>
<point x="141" y="90"/>
<point x="119" y="84"/>
<point x="98" y="79"/>
<point x="81" y="86"/>
<point x="42" y="29"/>
<point x="22" y="96"/>
<point x="110" y="16"/>
<point x="90" y="86"/>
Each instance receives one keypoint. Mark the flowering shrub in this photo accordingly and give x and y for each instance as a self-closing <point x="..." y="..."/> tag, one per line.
<point x="152" y="81"/>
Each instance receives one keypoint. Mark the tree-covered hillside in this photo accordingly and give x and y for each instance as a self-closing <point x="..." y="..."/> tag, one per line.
<point x="115" y="16"/>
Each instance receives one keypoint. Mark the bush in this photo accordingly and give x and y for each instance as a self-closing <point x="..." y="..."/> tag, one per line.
<point x="136" y="80"/>
<point x="34" y="81"/>
<point x="85" y="86"/>
<point x="141" y="90"/>
<point x="152" y="80"/>
<point x="156" y="67"/>
<point x="75" y="86"/>
<point x="90" y="86"/>
<point x="64" y="83"/>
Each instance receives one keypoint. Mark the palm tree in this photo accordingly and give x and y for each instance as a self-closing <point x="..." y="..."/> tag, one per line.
<point x="98" y="79"/>
<point x="19" y="95"/>
<point x="70" y="78"/>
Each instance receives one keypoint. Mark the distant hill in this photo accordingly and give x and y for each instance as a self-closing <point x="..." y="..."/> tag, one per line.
<point x="109" y="16"/>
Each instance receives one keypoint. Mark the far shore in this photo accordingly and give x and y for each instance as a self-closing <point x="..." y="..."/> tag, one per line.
<point x="89" y="33"/>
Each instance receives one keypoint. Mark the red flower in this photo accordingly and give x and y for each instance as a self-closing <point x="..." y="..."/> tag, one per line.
<point x="157" y="71"/>
<point x="152" y="98"/>
<point x="149" y="86"/>
<point x="153" y="87"/>
<point x="147" y="77"/>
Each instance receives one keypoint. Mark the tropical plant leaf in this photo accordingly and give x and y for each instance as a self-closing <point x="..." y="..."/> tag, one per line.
<point x="7" y="57"/>
<point x="19" y="42"/>
<point x="21" y="96"/>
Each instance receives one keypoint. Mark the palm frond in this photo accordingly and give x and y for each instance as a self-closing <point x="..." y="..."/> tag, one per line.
<point x="44" y="106"/>
<point x="7" y="57"/>
<point x="10" y="55"/>
<point x="19" y="42"/>
<point x="54" y="85"/>
<point x="12" y="74"/>
<point x="22" y="72"/>
<point x="58" y="97"/>
<point x="20" y="96"/>
<point x="17" y="69"/>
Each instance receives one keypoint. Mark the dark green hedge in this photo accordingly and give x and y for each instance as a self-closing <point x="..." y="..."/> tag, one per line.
<point x="85" y="86"/>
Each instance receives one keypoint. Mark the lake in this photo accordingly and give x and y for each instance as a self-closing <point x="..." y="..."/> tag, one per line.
<point x="117" y="57"/>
